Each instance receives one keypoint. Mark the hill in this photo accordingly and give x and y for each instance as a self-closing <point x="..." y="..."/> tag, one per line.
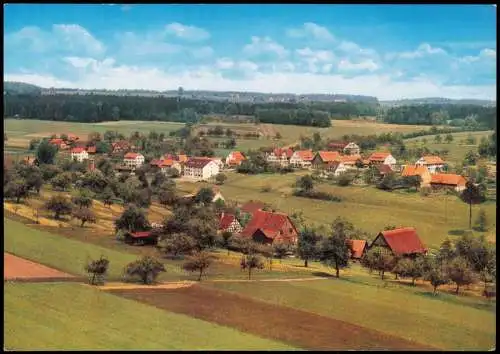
<point x="20" y="88"/>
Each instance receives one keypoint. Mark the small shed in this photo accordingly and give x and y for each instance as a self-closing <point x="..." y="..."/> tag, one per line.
<point x="141" y="238"/>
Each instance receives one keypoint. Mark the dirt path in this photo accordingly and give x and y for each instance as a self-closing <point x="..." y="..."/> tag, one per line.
<point x="264" y="280"/>
<point x="131" y="286"/>
<point x="297" y="327"/>
<point x="16" y="268"/>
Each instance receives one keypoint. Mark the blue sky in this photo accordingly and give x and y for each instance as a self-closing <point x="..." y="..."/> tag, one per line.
<point x="388" y="51"/>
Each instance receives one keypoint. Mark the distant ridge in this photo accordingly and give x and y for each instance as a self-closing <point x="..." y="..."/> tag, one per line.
<point x="438" y="100"/>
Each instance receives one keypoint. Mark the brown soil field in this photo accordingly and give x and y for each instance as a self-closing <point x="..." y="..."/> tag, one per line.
<point x="299" y="328"/>
<point x="19" y="268"/>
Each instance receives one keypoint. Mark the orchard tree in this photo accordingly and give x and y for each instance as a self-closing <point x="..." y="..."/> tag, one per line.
<point x="446" y="252"/>
<point x="98" y="269"/>
<point x="85" y="215"/>
<point x="158" y="179"/>
<point x="436" y="275"/>
<point x="250" y="262"/>
<point x="199" y="262"/>
<point x="204" y="196"/>
<point x="16" y="189"/>
<point x="448" y="138"/>
<point x="146" y="269"/>
<point x="59" y="205"/>
<point x="308" y="244"/>
<point x="176" y="244"/>
<point x="481" y="221"/>
<point x="305" y="183"/>
<point x="107" y="197"/>
<point x="470" y="158"/>
<point x="280" y="250"/>
<point x="335" y="250"/>
<point x="83" y="199"/>
<point x="132" y="219"/>
<point x="226" y="240"/>
<point x="220" y="178"/>
<point x="460" y="272"/>
<point x="62" y="181"/>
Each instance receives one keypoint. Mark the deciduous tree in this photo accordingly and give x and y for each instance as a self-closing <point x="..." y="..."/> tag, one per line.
<point x="147" y="269"/>
<point x="132" y="219"/>
<point x="460" y="272"/>
<point x="59" y="205"/>
<point x="472" y="194"/>
<point x="199" y="262"/>
<point x="97" y="269"/>
<point x="308" y="244"/>
<point x="46" y="153"/>
<point x="84" y="215"/>
<point x="250" y="262"/>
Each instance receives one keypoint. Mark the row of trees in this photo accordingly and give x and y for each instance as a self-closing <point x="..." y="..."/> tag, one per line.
<point x="99" y="108"/>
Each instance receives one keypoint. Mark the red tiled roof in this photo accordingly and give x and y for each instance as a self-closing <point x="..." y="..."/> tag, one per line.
<point x="410" y="170"/>
<point x="278" y="152"/>
<point x="432" y="160"/>
<point x="237" y="156"/>
<point x="77" y="150"/>
<point x="384" y="169"/>
<point x="56" y="141"/>
<point x="270" y="223"/>
<point x="140" y="234"/>
<point x="328" y="156"/>
<point x="448" y="179"/>
<point x="197" y="162"/>
<point x="357" y="247"/>
<point x="225" y="221"/>
<point x="182" y="158"/>
<point x="379" y="156"/>
<point x="91" y="149"/>
<point x="337" y="144"/>
<point x="350" y="159"/>
<point x="305" y="155"/>
<point x="403" y="241"/>
<point x="131" y="155"/>
<point x="252" y="206"/>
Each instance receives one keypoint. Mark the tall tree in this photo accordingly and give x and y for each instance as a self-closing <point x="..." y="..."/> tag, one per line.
<point x="46" y="153"/>
<point x="308" y="244"/>
<point x="335" y="249"/>
<point x="199" y="262"/>
<point x="472" y="194"/>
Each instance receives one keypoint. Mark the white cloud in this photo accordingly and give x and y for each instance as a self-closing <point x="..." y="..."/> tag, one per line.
<point x="148" y="44"/>
<point x="484" y="56"/>
<point x="487" y="52"/>
<point x="224" y="63"/>
<point x="311" y="30"/>
<point x="266" y="45"/>
<point x="354" y="49"/>
<point x="107" y="74"/>
<point x="191" y="33"/>
<point x="423" y="49"/>
<point x="316" y="55"/>
<point x="62" y="37"/>
<point x="203" y="52"/>
<point x="347" y="66"/>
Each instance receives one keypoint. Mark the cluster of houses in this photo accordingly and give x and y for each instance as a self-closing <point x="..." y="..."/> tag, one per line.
<point x="340" y="158"/>
<point x="271" y="227"/>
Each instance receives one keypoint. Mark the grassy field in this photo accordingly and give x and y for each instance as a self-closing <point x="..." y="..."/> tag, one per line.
<point x="20" y="132"/>
<point x="419" y="317"/>
<point x="72" y="316"/>
<point x="367" y="207"/>
<point x="457" y="149"/>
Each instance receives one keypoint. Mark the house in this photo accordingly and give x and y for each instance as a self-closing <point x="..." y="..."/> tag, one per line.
<point x="433" y="163"/>
<point x="218" y="161"/>
<point x="270" y="227"/>
<point x="351" y="149"/>
<point x="322" y="158"/>
<point x="235" y="158"/>
<point x="448" y="180"/>
<point x="400" y="242"/>
<point x="357" y="248"/>
<point x="251" y="207"/>
<point x="229" y="223"/>
<point x="121" y="146"/>
<point x="302" y="159"/>
<point x="336" y="167"/>
<point x="133" y="159"/>
<point x="140" y="238"/>
<point x="417" y="170"/>
<point x="200" y="168"/>
<point x="164" y="164"/>
<point x="79" y="154"/>
<point x="59" y="143"/>
<point x="384" y="158"/>
<point x="350" y="161"/>
<point x="280" y="156"/>
<point x="182" y="158"/>
<point x="383" y="170"/>
<point x="337" y="145"/>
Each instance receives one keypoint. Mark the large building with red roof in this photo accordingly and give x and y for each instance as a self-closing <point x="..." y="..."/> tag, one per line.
<point x="433" y="163"/>
<point x="400" y="242"/>
<point x="229" y="223"/>
<point x="271" y="227"/>
<point x="323" y="159"/>
<point x="449" y="181"/>
<point x="302" y="158"/>
<point x="382" y="158"/>
<point x="133" y="159"/>
<point x="280" y="156"/>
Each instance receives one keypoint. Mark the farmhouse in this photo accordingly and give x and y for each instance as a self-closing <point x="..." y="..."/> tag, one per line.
<point x="268" y="227"/>
<point x="140" y="238"/>
<point x="352" y="149"/>
<point x="400" y="242"/>
<point x="357" y="248"/>
<point x="251" y="207"/>
<point x="164" y="164"/>
<point x="229" y="223"/>
<point x="337" y="145"/>
<point x="417" y="170"/>
<point x="384" y="158"/>
<point x="302" y="159"/>
<point x="133" y="159"/>
<point x="235" y="158"/>
<point x="121" y="146"/>
<point x="323" y="158"/>
<point x="336" y="167"/>
<point x="280" y="156"/>
<point x="433" y="163"/>
<point x="383" y="170"/>
<point x="200" y="168"/>
<point x="59" y="143"/>
<point x="448" y="181"/>
<point x="79" y="154"/>
<point x="350" y="161"/>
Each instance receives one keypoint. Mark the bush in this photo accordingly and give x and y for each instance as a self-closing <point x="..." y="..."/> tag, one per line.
<point x="425" y="191"/>
<point x="345" y="179"/>
<point x="316" y="195"/>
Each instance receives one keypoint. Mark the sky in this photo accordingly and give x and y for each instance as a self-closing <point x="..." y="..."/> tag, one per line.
<point x="386" y="51"/>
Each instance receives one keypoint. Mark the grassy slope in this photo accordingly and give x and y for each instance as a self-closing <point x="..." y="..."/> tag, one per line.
<point x="414" y="316"/>
<point x="71" y="316"/>
<point x="367" y="207"/>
